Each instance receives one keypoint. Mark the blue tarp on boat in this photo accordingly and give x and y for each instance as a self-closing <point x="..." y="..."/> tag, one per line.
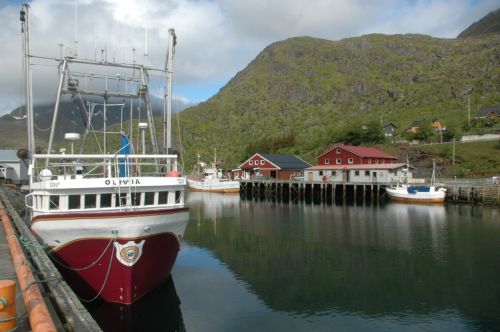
<point x="124" y="149"/>
<point x="414" y="190"/>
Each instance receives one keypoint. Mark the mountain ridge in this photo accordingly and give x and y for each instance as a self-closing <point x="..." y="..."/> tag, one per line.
<point x="315" y="88"/>
<point x="488" y="24"/>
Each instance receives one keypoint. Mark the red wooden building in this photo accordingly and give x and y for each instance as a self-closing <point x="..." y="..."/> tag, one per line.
<point x="273" y="166"/>
<point x="353" y="155"/>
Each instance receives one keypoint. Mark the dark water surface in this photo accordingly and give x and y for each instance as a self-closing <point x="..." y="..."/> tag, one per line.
<point x="263" y="266"/>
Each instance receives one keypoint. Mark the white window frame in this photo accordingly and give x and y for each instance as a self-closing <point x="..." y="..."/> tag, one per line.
<point x="262" y="162"/>
<point x="250" y="162"/>
<point x="350" y="161"/>
<point x="338" y="151"/>
<point x="338" y="161"/>
<point x="327" y="161"/>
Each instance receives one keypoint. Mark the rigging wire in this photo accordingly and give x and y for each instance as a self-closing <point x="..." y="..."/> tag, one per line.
<point x="181" y="154"/>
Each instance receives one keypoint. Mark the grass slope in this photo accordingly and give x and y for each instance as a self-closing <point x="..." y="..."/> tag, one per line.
<point x="314" y="88"/>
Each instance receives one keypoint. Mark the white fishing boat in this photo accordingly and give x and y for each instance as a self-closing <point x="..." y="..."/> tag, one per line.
<point x="211" y="179"/>
<point x="409" y="193"/>
<point x="112" y="218"/>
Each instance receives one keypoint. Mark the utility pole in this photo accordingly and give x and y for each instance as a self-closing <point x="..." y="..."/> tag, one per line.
<point x="453" y="153"/>
<point x="468" y="107"/>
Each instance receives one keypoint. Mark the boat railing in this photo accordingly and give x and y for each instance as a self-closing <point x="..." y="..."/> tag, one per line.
<point x="99" y="166"/>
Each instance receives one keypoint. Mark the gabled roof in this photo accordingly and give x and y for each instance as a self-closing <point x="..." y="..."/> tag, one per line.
<point x="417" y="123"/>
<point x="8" y="155"/>
<point x="390" y="124"/>
<point x="362" y="151"/>
<point x="490" y="109"/>
<point x="285" y="161"/>
<point x="282" y="161"/>
<point x="356" y="167"/>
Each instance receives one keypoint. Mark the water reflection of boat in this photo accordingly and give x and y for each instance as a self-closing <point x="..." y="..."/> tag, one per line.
<point x="213" y="203"/>
<point x="158" y="311"/>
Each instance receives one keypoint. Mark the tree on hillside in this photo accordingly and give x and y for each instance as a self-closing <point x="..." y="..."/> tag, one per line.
<point x="424" y="133"/>
<point x="357" y="134"/>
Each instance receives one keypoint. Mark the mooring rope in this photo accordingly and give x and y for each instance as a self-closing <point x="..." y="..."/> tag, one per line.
<point x="91" y="264"/>
<point x="104" y="282"/>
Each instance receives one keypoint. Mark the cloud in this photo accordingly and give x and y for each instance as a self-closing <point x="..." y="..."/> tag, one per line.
<point x="216" y="38"/>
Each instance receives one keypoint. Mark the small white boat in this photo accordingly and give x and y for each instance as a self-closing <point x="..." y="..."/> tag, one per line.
<point x="211" y="179"/>
<point x="408" y="193"/>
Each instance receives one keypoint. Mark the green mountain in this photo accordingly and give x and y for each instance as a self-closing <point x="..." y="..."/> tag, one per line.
<point x="488" y="24"/>
<point x="301" y="94"/>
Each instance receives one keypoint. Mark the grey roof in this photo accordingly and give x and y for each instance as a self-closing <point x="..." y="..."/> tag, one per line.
<point x="286" y="161"/>
<point x="485" y="110"/>
<point x="8" y="155"/>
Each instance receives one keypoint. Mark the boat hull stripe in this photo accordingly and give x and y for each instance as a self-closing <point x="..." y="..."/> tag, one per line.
<point x="104" y="215"/>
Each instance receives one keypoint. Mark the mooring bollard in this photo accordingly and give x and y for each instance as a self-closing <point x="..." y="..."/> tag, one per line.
<point x="7" y="305"/>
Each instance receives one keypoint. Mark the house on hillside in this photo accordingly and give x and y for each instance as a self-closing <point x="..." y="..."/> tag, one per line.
<point x="389" y="129"/>
<point x="342" y="154"/>
<point x="437" y="125"/>
<point x="414" y="126"/>
<point x="12" y="169"/>
<point x="491" y="111"/>
<point x="272" y="166"/>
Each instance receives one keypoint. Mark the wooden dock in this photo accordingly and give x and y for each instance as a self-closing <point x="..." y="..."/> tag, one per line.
<point x="65" y="308"/>
<point x="472" y="192"/>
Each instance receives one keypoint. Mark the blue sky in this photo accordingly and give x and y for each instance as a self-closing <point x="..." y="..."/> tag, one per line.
<point x="216" y="38"/>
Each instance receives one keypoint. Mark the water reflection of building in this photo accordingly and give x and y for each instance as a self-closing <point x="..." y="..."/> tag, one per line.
<point x="213" y="204"/>
<point x="158" y="311"/>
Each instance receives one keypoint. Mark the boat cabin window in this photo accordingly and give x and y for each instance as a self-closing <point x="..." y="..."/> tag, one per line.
<point x="121" y="199"/>
<point x="105" y="200"/>
<point x="73" y="202"/>
<point x="163" y="197"/>
<point x="367" y="173"/>
<point x="53" y="202"/>
<point x="136" y="199"/>
<point x="149" y="198"/>
<point x="90" y="201"/>
<point x="178" y="196"/>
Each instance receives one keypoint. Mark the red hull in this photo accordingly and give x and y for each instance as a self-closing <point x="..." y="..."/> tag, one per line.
<point x="122" y="284"/>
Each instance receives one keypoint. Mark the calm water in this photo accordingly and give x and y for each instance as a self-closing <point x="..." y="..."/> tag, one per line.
<point x="262" y="266"/>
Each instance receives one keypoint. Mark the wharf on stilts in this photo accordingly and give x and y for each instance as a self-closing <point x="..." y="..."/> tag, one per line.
<point x="471" y="192"/>
<point x="311" y="192"/>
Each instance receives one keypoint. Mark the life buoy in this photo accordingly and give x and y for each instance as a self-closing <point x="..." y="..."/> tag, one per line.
<point x="173" y="174"/>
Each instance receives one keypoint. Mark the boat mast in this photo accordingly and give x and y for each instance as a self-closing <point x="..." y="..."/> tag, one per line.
<point x="24" y="17"/>
<point x="167" y="102"/>
<point x="62" y="75"/>
<point x="433" y="177"/>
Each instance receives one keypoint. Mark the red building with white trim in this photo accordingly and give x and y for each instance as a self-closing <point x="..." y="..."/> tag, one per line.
<point x="273" y="166"/>
<point x="353" y="155"/>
